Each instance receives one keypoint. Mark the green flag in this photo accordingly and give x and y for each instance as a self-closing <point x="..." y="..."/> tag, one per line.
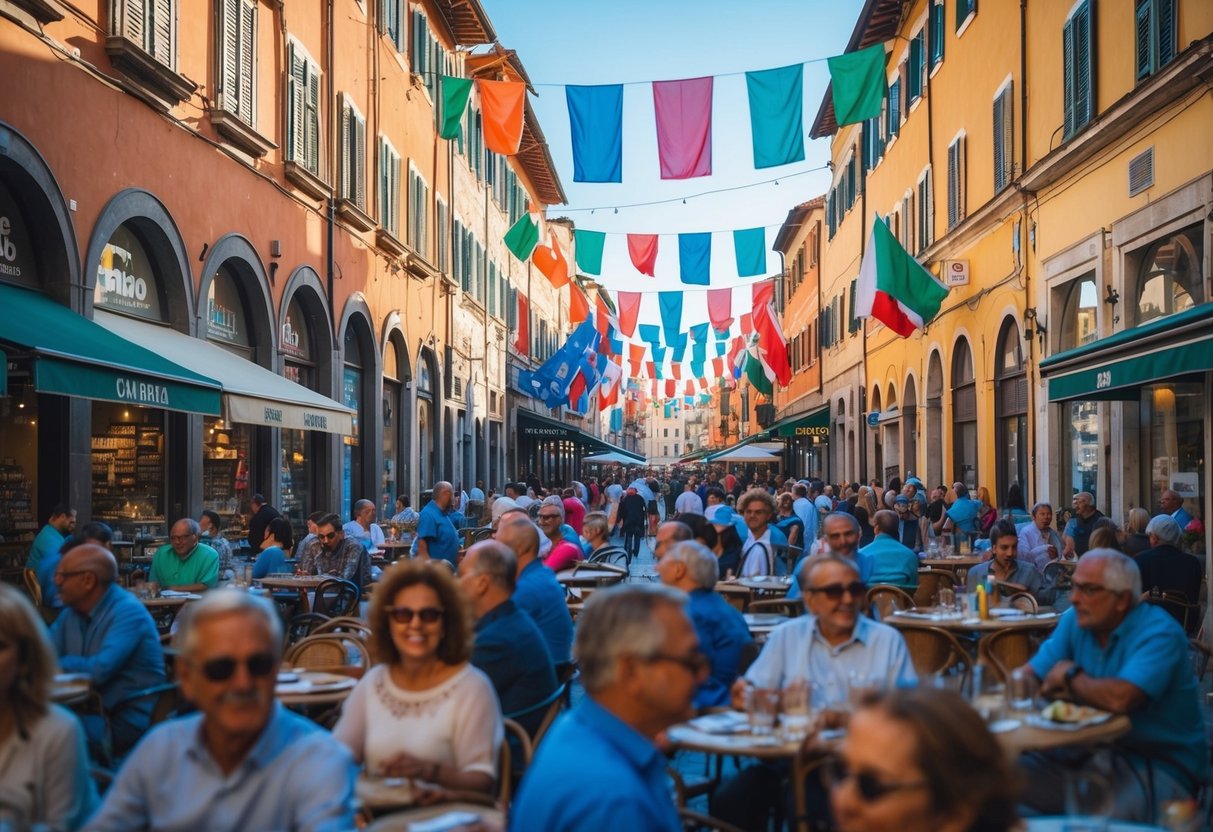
<point x="589" y="250"/>
<point x="455" y="93"/>
<point x="757" y="374"/>
<point x="522" y="237"/>
<point x="857" y="84"/>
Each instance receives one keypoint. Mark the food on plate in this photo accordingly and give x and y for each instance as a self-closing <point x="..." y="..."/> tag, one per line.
<point x="1069" y="712"/>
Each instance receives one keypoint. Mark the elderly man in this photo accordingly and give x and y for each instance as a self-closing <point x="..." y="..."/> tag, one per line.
<point x="509" y="647"/>
<point x="1173" y="504"/>
<point x="52" y="535"/>
<point x="1006" y="569"/>
<point x="640" y="665"/>
<point x="688" y="501"/>
<point x="436" y="536"/>
<point x="1078" y="531"/>
<point x="886" y="560"/>
<point x="690" y="566"/>
<point x="1039" y="543"/>
<point x="184" y="563"/>
<point x="243" y="761"/>
<point x="842" y="539"/>
<point x="761" y="553"/>
<point x="964" y="515"/>
<point x="536" y="591"/>
<point x="332" y="553"/>
<point x="1113" y="653"/>
<point x="363" y="529"/>
<point x="210" y="527"/>
<point x="1166" y="567"/>
<point x="803" y="507"/>
<point x="669" y="533"/>
<point x="105" y="632"/>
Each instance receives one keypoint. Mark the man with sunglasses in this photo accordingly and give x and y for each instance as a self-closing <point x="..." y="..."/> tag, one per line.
<point x="243" y="761"/>
<point x="332" y="553"/>
<point x="1114" y="653"/>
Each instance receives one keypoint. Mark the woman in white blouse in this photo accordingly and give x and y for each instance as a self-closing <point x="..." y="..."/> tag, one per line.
<point x="44" y="779"/>
<point x="423" y="711"/>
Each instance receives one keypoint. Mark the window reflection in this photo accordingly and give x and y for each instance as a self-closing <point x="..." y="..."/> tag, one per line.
<point x="1078" y="316"/>
<point x="1170" y="278"/>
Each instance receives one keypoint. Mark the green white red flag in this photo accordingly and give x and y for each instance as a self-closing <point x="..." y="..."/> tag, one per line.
<point x="893" y="287"/>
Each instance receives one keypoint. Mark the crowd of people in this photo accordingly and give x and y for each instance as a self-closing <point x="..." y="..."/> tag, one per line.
<point x="462" y="639"/>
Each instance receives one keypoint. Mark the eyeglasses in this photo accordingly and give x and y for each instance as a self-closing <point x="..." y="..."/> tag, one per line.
<point x="404" y="615"/>
<point x="63" y="576"/>
<point x="323" y="537"/>
<point x="695" y="663"/>
<point x="224" y="667"/>
<point x="1087" y="589"/>
<point x="835" y="591"/>
<point x="870" y="787"/>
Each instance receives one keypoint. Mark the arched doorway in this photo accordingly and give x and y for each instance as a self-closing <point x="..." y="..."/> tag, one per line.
<point x="359" y="366"/>
<point x="964" y="415"/>
<point x="909" y="428"/>
<point x="934" y="406"/>
<point x="427" y="420"/>
<point x="396" y="475"/>
<point x="874" y="442"/>
<point x="892" y="437"/>
<point x="1011" y="406"/>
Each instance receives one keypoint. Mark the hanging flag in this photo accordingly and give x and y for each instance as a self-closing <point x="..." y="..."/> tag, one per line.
<point x="718" y="367"/>
<point x="589" y="250"/>
<point x="695" y="258"/>
<point x="697" y="368"/>
<point x="629" y="311"/>
<point x="684" y="127"/>
<point x="650" y="369"/>
<point x="735" y="352"/>
<point x="551" y="263"/>
<point x="676" y="371"/>
<point x="857" y="84"/>
<point x="596" y="125"/>
<point x="757" y="373"/>
<point x="671" y="388"/>
<point x="699" y="352"/>
<point x="455" y="94"/>
<point x="642" y="248"/>
<point x="679" y="347"/>
<point x="576" y="389"/>
<point x="522" y="343"/>
<point x="720" y="308"/>
<point x="722" y="345"/>
<point x="550" y="381"/>
<point x="670" y="304"/>
<point x="501" y="105"/>
<point x="893" y="287"/>
<point x="602" y="320"/>
<point x="699" y="333"/>
<point x="776" y="115"/>
<point x="762" y="293"/>
<point x="688" y="389"/>
<point x="653" y="382"/>
<point x="750" y="247"/>
<point x="650" y="333"/>
<point x="772" y="346"/>
<point x="579" y="307"/>
<point x="522" y="237"/>
<point x="658" y="355"/>
<point x="635" y="358"/>
<point x="703" y="383"/>
<point x="747" y="325"/>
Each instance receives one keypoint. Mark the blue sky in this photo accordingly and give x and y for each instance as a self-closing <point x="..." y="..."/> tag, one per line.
<point x="600" y="42"/>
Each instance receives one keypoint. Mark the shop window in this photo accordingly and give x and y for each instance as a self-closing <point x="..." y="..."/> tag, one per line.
<point x="1172" y="443"/>
<point x="1079" y="313"/>
<point x="1011" y="405"/>
<point x="1080" y="449"/>
<point x="19" y="459"/>
<point x="964" y="416"/>
<point x="1169" y="276"/>
<point x="128" y="468"/>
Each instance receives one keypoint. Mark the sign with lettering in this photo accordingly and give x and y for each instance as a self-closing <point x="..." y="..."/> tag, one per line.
<point x="126" y="281"/>
<point x="141" y="392"/>
<point x="295" y="341"/>
<point x="224" y="312"/>
<point x="957" y="273"/>
<point x="16" y="251"/>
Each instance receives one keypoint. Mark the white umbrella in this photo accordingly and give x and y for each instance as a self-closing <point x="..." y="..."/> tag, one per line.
<point x="613" y="456"/>
<point x="743" y="454"/>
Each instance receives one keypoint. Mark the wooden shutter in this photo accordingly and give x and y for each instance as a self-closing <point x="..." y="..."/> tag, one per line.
<point x="1000" y="150"/>
<point x="229" y="48"/>
<point x="296" y="95"/>
<point x="1144" y="15"/>
<point x="247" y="63"/>
<point x="938" y="31"/>
<point x="133" y="20"/>
<point x="163" y="25"/>
<point x="914" y="69"/>
<point x="894" y="124"/>
<point x="953" y="190"/>
<point x="903" y="80"/>
<point x="347" y="176"/>
<point x="311" y="119"/>
<point x="1083" y="65"/>
<point x="394" y="185"/>
<point x="1166" y="32"/>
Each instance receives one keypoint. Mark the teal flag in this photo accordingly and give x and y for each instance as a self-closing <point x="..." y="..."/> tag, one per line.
<point x="589" y="250"/>
<point x="857" y="84"/>
<point x="777" y="115"/>
<point x="522" y="237"/>
<point x="750" y="245"/>
<point x="455" y="92"/>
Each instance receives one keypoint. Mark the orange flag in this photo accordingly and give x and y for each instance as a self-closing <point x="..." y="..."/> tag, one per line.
<point x="579" y="307"/>
<point x="551" y="263"/>
<point x="501" y="105"/>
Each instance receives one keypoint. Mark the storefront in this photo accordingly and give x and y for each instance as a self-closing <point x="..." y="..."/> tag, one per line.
<point x="303" y="341"/>
<point x="553" y="451"/>
<point x="806" y="439"/>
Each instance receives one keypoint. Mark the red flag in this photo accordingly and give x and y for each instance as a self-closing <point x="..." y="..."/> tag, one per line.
<point x="720" y="308"/>
<point x="635" y="358"/>
<point x="579" y="307"/>
<point x="654" y="383"/>
<point x="671" y="388"/>
<point x="523" y="342"/>
<point x="703" y="384"/>
<point x="763" y="293"/>
<point x="771" y="344"/>
<point x="676" y="371"/>
<point x="576" y="388"/>
<point x="650" y="369"/>
<point x="688" y="389"/>
<point x="643" y="250"/>
<point x="747" y="325"/>
<point x="501" y="108"/>
<point x="551" y="263"/>
<point x="735" y="350"/>
<point x="602" y="320"/>
<point x="629" y="311"/>
<point x="718" y="367"/>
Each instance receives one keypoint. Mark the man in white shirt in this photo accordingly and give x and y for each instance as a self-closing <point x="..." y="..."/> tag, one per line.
<point x="1039" y="543"/>
<point x="688" y="501"/>
<point x="803" y="508"/>
<point x="758" y="553"/>
<point x="363" y="527"/>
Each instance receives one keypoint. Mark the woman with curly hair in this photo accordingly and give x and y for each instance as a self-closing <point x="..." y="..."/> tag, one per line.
<point x="423" y="711"/>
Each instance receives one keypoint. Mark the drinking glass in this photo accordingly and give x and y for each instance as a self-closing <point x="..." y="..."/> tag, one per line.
<point x="1021" y="690"/>
<point x="140" y="588"/>
<point x="794" y="710"/>
<point x="1089" y="802"/>
<point x="947" y="599"/>
<point x="762" y="705"/>
<point x="153" y="589"/>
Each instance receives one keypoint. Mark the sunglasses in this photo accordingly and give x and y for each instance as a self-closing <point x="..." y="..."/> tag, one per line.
<point x="696" y="663"/>
<point x="223" y="668"/>
<point x="404" y="615"/>
<point x="870" y="787"/>
<point x="835" y="591"/>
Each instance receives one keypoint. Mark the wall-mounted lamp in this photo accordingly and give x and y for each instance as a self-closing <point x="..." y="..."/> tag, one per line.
<point x="1113" y="296"/>
<point x="1033" y="326"/>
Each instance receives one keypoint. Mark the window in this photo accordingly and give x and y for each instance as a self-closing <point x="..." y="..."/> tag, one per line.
<point x="964" y="416"/>
<point x="852" y="317"/>
<point x="894" y="124"/>
<point x="964" y="10"/>
<point x="1011" y="404"/>
<point x="389" y="187"/>
<point x="1004" y="139"/>
<point x="956" y="182"/>
<point x="419" y="203"/>
<point x="1079" y="313"/>
<point x="353" y="154"/>
<point x="149" y="24"/>
<point x="238" y="70"/>
<point x="1155" y="21"/>
<point x="444" y="238"/>
<point x="926" y="212"/>
<point x="916" y="68"/>
<point x="303" y="110"/>
<point x="391" y="21"/>
<point x="1170" y="277"/>
<point x="907" y="221"/>
<point x="492" y="293"/>
<point x="666" y="433"/>
<point x="938" y="31"/>
<point x="458" y="260"/>
<point x="1078" y="74"/>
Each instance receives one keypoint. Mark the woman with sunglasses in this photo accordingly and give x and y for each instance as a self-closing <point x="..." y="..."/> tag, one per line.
<point x="423" y="711"/>
<point x="920" y="760"/>
<point x="44" y="779"/>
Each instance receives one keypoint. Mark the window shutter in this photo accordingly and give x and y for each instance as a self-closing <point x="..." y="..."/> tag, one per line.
<point x="134" y="20"/>
<point x="295" y="95"/>
<point x="248" y="46"/>
<point x="937" y="32"/>
<point x="903" y="89"/>
<point x="1144" y="14"/>
<point x="894" y="125"/>
<point x="229" y="45"/>
<point x="907" y="219"/>
<point x="312" y="119"/>
<point x="360" y="162"/>
<point x="347" y="176"/>
<point x="1068" y="80"/>
<point x="953" y="184"/>
<point x="1000" y="180"/>
<point x="162" y="32"/>
<point x="1082" y="57"/>
<point x="914" y="68"/>
<point x="395" y="186"/>
<point x="853" y="323"/>
<point x="1166" y="32"/>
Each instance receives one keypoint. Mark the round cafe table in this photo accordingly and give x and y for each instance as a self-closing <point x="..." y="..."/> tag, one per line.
<point x="1029" y="737"/>
<point x="589" y="576"/>
<point x="772" y="584"/>
<point x="954" y="562"/>
<point x="305" y="688"/>
<point x="957" y="624"/>
<point x="403" y="821"/>
<point x="393" y="550"/>
<point x="302" y="583"/>
<point x="170" y="600"/>
<point x="761" y="623"/>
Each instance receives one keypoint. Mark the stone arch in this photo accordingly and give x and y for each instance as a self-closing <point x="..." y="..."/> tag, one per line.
<point x="236" y="253"/>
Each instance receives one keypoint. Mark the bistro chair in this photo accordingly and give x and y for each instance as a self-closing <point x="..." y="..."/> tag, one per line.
<point x="510" y="768"/>
<point x="934" y="652"/>
<point x="345" y="624"/>
<point x="329" y="651"/>
<point x="1176" y="603"/>
<point x="1023" y="601"/>
<point x="32" y="587"/>
<point x="782" y="606"/>
<point x="303" y="625"/>
<point x="550" y="707"/>
<point x="886" y="599"/>
<point x="930" y="581"/>
<point x="1005" y="650"/>
<point x="1056" y="574"/>
<point x="336" y="597"/>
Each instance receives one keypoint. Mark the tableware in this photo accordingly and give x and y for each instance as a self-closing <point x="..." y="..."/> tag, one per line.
<point x="1066" y="716"/>
<point x="1007" y="612"/>
<point x="947" y="597"/>
<point x="794" y="710"/>
<point x="762" y="706"/>
<point x="1089" y="802"/>
<point x="286" y="677"/>
<point x="153" y="589"/>
<point x="1021" y="690"/>
<point x="1002" y="726"/>
<point x="725" y="722"/>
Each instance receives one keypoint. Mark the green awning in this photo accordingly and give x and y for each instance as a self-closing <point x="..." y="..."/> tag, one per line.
<point x="73" y="356"/>
<point x="538" y="427"/>
<point x="816" y="423"/>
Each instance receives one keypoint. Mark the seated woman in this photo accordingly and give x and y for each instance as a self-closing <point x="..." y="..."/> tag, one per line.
<point x="563" y="553"/>
<point x="44" y="778"/>
<point x="423" y="711"/>
<point x="921" y="760"/>
<point x="272" y="557"/>
<point x="787" y="521"/>
<point x="728" y="541"/>
<point x="597" y="531"/>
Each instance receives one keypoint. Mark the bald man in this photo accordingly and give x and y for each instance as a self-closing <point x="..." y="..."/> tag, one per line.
<point x="536" y="590"/>
<point x="106" y="632"/>
<point x="436" y="535"/>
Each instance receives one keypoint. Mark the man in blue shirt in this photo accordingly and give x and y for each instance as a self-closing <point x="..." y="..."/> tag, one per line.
<point x="842" y="539"/>
<point x="640" y="665"/>
<point x="723" y="633"/>
<point x="1011" y="573"/>
<point x="1173" y="504"/>
<point x="964" y="515"/>
<point x="1114" y="653"/>
<point x="107" y="633"/>
<point x="889" y="562"/>
<point x="436" y="537"/>
<point x="243" y="761"/>
<point x="537" y="592"/>
<point x="508" y="646"/>
<point x="51" y="536"/>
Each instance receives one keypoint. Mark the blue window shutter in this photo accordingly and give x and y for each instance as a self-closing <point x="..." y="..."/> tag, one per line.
<point x="894" y="108"/>
<point x="914" y="69"/>
<point x="1144" y="16"/>
<point x="938" y="31"/>
<point x="1166" y="32"/>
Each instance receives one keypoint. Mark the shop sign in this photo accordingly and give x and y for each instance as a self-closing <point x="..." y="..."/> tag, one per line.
<point x="141" y="392"/>
<point x="294" y="341"/>
<point x="16" y="252"/>
<point x="125" y="279"/>
<point x="874" y="418"/>
<point x="957" y="273"/>
<point x="225" y="318"/>
<point x="811" y="431"/>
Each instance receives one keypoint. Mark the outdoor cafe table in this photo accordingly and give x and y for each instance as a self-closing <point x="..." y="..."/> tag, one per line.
<point x="995" y="623"/>
<point x="958" y="564"/>
<point x="173" y="600"/>
<point x="761" y="623"/>
<point x="402" y="821"/>
<point x="589" y="576"/>
<point x="304" y="688"/>
<point x="302" y="583"/>
<point x="772" y="584"/>
<point x="394" y="549"/>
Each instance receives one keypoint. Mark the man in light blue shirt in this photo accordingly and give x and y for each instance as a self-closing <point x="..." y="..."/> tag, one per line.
<point x="1115" y="653"/>
<point x="51" y="536"/>
<point x="891" y="562"/>
<point x="243" y="761"/>
<point x="842" y="539"/>
<point x="964" y="515"/>
<point x="537" y="592"/>
<point x="640" y="665"/>
<point x="436" y="537"/>
<point x="803" y="508"/>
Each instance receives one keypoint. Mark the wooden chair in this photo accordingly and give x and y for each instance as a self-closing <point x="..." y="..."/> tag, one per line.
<point x="336" y="597"/>
<point x="32" y="587"/>
<point x="1006" y="650"/>
<point x="327" y="651"/>
<point x="886" y="599"/>
<point x="935" y="651"/>
<point x="1023" y="601"/>
<point x="930" y="581"/>
<point x="1057" y="574"/>
<point x="1176" y="603"/>
<point x="345" y="624"/>
<point x="782" y="606"/>
<point x="509" y="774"/>
<point x="303" y="625"/>
<point x="737" y="596"/>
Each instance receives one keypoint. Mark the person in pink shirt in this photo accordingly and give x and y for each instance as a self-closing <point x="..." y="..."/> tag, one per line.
<point x="574" y="511"/>
<point x="563" y="554"/>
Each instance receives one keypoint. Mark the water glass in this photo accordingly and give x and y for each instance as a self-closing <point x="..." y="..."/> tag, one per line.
<point x="1089" y="802"/>
<point x="247" y="575"/>
<point x="947" y="599"/>
<point x="141" y="588"/>
<point x="153" y="589"/>
<point x="794" y="710"/>
<point x="762" y="706"/>
<point x="1021" y="690"/>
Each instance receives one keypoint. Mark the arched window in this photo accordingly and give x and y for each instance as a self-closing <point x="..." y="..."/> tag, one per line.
<point x="1170" y="278"/>
<point x="1011" y="405"/>
<point x="934" y="406"/>
<point x="1079" y="313"/>
<point x="964" y="415"/>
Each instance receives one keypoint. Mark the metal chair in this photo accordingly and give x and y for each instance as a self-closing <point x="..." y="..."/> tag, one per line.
<point x="336" y="597"/>
<point x="935" y="651"/>
<point x="303" y="625"/>
<point x="550" y="706"/>
<point x="344" y="624"/>
<point x="1176" y="603"/>
<point x="1023" y="601"/>
<point x="782" y="606"/>
<point x="517" y="740"/>
<point x="886" y="599"/>
<point x="1056" y="575"/>
<point x="930" y="581"/>
<point x="32" y="587"/>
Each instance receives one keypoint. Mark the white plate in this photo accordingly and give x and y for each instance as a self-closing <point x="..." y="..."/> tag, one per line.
<point x="1002" y="726"/>
<point x="1003" y="612"/>
<point x="1038" y="721"/>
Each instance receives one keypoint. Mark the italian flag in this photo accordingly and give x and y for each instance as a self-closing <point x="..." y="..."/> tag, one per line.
<point x="893" y="287"/>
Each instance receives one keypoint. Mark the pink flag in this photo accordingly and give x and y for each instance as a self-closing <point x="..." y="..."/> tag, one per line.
<point x="720" y="308"/>
<point x="628" y="304"/>
<point x="643" y="250"/>
<point x="763" y="293"/>
<point x="747" y="325"/>
<point x="684" y="127"/>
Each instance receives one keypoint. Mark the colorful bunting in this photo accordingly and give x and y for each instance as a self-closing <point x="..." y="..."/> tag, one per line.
<point x="857" y="84"/>
<point x="629" y="311"/>
<point x="579" y="307"/>
<point x="776" y="115"/>
<point x="695" y="258"/>
<point x="762" y="293"/>
<point x="596" y="125"/>
<point x="750" y="246"/>
<point x="772" y="346"/>
<point x="670" y="304"/>
<point x="522" y="343"/>
<point x="589" y="250"/>
<point x="720" y="308"/>
<point x="747" y="325"/>
<point x="698" y="333"/>
<point x="676" y="371"/>
<point x="455" y="94"/>
<point x="551" y="263"/>
<point x="522" y="237"/>
<point x="635" y="358"/>
<point x="684" y="127"/>
<point x="642" y="248"/>
<point x="650" y="333"/>
<point x="501" y="105"/>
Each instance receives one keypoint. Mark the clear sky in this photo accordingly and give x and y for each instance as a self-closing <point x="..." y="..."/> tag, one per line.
<point x="624" y="41"/>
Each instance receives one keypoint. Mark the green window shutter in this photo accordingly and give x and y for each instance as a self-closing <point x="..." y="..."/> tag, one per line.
<point x="1084" y="66"/>
<point x="914" y="69"/>
<point x="1144" y="18"/>
<point x="853" y="323"/>
<point x="312" y="119"/>
<point x="964" y="8"/>
<point x="1067" y="77"/>
<point x="359" y="162"/>
<point x="229" y="48"/>
<point x="894" y="108"/>
<point x="938" y="30"/>
<point x="1000" y="179"/>
<point x="1166" y="32"/>
<point x="953" y="184"/>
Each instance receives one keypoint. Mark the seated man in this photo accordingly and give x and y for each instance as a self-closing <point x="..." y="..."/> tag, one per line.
<point x="1011" y="574"/>
<point x="106" y="632"/>
<point x="243" y="761"/>
<point x="508" y="646"/>
<point x="52" y="535"/>
<point x="536" y="590"/>
<point x="1039" y="542"/>
<point x="1167" y="568"/>
<point x="184" y="564"/>
<point x="211" y="526"/>
<point x="363" y="529"/>
<point x="1114" y="653"/>
<point x="841" y="537"/>
<point x="888" y="561"/>
<point x="332" y="553"/>
<point x="691" y="567"/>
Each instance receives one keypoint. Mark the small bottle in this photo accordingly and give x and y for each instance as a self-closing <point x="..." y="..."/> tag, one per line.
<point x="983" y="603"/>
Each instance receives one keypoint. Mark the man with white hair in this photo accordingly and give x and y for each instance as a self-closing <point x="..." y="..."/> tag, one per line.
<point x="1172" y="503"/>
<point x="243" y="761"/>
<point x="1039" y="542"/>
<point x="640" y="665"/>
<point x="1166" y="567"/>
<point x="690" y="566"/>
<point x="1116" y="654"/>
<point x="436" y="536"/>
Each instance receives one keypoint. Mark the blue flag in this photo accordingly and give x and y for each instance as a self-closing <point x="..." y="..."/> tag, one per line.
<point x="777" y="115"/>
<point x="670" y="304"/>
<point x="650" y="333"/>
<point x="695" y="258"/>
<point x="596" y="125"/>
<point x="750" y="245"/>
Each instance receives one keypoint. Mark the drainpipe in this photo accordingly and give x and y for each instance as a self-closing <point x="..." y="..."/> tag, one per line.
<point x="1030" y="487"/>
<point x="330" y="261"/>
<point x="863" y="330"/>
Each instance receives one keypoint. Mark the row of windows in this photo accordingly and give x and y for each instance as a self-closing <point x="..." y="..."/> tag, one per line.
<point x="838" y="313"/>
<point x="803" y="348"/>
